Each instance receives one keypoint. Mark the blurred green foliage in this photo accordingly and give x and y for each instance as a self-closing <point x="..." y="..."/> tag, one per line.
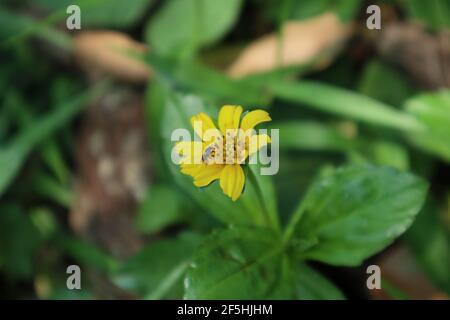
<point x="183" y="26"/>
<point x="435" y="14"/>
<point x="167" y="259"/>
<point x="102" y="13"/>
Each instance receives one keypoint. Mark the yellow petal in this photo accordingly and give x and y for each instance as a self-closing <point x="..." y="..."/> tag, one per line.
<point x="190" y="169"/>
<point x="190" y="150"/>
<point x="232" y="181"/>
<point x="254" y="118"/>
<point x="201" y="123"/>
<point x="207" y="174"/>
<point x="203" y="174"/>
<point x="256" y="142"/>
<point x="229" y="117"/>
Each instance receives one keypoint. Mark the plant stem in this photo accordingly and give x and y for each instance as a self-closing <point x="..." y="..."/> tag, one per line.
<point x="270" y="219"/>
<point x="293" y="222"/>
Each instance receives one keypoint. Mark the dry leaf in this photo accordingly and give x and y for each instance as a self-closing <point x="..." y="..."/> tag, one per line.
<point x="109" y="53"/>
<point x="399" y="268"/>
<point x="424" y="56"/>
<point x="302" y="41"/>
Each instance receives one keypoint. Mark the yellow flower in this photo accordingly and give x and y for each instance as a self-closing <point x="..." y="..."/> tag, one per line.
<point x="221" y="152"/>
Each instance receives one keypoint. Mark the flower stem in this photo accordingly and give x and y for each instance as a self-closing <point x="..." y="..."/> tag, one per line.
<point x="271" y="220"/>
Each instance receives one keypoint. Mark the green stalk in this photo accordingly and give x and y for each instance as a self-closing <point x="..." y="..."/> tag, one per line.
<point x="269" y="219"/>
<point x="293" y="222"/>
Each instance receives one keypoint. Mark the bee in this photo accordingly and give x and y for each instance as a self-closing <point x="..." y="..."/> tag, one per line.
<point x="210" y="154"/>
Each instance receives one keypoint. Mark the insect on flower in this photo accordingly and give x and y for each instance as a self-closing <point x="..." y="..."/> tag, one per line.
<point x="221" y="152"/>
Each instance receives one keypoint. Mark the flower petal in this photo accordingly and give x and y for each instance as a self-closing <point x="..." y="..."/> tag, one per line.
<point x="191" y="151"/>
<point x="254" y="118"/>
<point x="256" y="142"/>
<point x="190" y="169"/>
<point x="232" y="181"/>
<point x="207" y="174"/>
<point x="203" y="174"/>
<point x="201" y="123"/>
<point x="229" y="117"/>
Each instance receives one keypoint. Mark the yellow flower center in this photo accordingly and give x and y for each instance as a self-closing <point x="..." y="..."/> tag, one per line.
<point x="235" y="148"/>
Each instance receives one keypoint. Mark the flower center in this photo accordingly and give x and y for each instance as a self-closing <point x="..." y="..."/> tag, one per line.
<point x="234" y="147"/>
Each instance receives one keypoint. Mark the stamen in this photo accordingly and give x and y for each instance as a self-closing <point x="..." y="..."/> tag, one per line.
<point x="234" y="146"/>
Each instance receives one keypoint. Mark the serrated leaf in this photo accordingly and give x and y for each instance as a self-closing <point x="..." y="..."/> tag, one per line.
<point x="356" y="211"/>
<point x="311" y="285"/>
<point x="239" y="263"/>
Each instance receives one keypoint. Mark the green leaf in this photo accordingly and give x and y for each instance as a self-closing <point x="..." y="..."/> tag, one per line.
<point x="44" y="221"/>
<point x="433" y="110"/>
<point x="160" y="209"/>
<point x="19" y="240"/>
<point x="311" y="285"/>
<point x="425" y="124"/>
<point x="15" y="27"/>
<point x="11" y="160"/>
<point x="250" y="263"/>
<point x="11" y="24"/>
<point x="310" y="135"/>
<point x="354" y="212"/>
<point x="61" y="293"/>
<point x="344" y="103"/>
<point x="13" y="155"/>
<point x="239" y="263"/>
<point x="47" y="186"/>
<point x="315" y="136"/>
<point x="196" y="77"/>
<point x="157" y="270"/>
<point x="197" y="23"/>
<point x="53" y="157"/>
<point x="393" y="291"/>
<point x="386" y="153"/>
<point x="430" y="242"/>
<point x="384" y="83"/>
<point x="434" y="14"/>
<point x="346" y="9"/>
<point x="86" y="253"/>
<point x="104" y="13"/>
